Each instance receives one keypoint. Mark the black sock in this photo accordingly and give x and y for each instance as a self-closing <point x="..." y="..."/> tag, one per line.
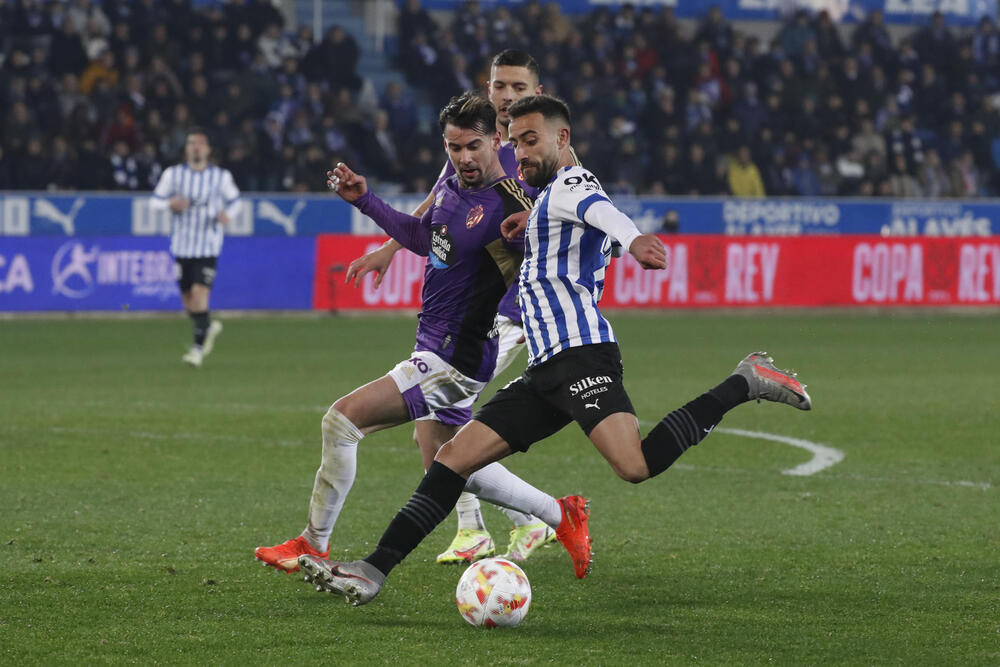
<point x="681" y="429"/>
<point x="200" y="327"/>
<point x="733" y="391"/>
<point x="430" y="505"/>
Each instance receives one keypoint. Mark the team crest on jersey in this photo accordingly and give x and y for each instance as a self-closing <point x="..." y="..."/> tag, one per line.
<point x="443" y="251"/>
<point x="475" y="215"/>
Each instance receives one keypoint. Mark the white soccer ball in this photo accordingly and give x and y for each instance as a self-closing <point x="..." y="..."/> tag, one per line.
<point x="493" y="592"/>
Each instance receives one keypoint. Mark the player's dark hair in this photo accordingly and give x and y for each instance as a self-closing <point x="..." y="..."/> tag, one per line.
<point x="547" y="105"/>
<point x="195" y="129"/>
<point x="469" y="111"/>
<point x="516" y="58"/>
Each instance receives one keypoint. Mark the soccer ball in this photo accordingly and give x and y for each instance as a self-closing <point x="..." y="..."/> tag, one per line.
<point x="493" y="592"/>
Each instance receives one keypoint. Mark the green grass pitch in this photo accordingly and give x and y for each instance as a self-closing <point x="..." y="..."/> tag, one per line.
<point x="133" y="491"/>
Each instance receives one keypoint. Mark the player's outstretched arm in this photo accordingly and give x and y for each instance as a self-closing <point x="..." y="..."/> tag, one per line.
<point x="346" y="183"/>
<point x="378" y="261"/>
<point x="648" y="250"/>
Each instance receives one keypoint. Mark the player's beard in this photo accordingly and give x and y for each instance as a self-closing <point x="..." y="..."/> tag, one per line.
<point x="475" y="182"/>
<point x="541" y="172"/>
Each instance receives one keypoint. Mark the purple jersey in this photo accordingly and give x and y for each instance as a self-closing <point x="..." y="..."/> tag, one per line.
<point x="470" y="266"/>
<point x="508" y="304"/>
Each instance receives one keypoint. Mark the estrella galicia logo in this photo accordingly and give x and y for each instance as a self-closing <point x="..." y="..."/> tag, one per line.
<point x="442" y="247"/>
<point x="71" y="270"/>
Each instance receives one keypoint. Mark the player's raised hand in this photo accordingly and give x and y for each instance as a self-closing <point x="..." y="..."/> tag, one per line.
<point x="514" y="225"/>
<point x="346" y="183"/>
<point x="376" y="261"/>
<point x="649" y="252"/>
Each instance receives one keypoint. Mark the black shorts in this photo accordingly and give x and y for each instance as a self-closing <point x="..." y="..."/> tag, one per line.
<point x="581" y="384"/>
<point x="195" y="271"/>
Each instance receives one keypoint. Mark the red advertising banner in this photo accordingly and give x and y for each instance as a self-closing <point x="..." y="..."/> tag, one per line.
<point x="723" y="271"/>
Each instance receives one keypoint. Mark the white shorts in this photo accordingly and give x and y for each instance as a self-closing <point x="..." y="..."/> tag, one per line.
<point x="431" y="387"/>
<point x="508" y="333"/>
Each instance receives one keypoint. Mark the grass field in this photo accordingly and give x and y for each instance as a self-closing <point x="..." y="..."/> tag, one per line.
<point x="133" y="491"/>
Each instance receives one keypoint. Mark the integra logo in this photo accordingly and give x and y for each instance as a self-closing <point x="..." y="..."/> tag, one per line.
<point x="587" y="383"/>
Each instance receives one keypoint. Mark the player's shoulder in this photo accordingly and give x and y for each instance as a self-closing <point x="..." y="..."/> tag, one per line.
<point x="576" y="180"/>
<point x="512" y="194"/>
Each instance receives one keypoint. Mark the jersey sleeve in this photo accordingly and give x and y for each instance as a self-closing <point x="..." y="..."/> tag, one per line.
<point x="513" y="196"/>
<point x="577" y="195"/>
<point x="409" y="231"/>
<point x="230" y="194"/>
<point x="573" y="193"/>
<point x="163" y="190"/>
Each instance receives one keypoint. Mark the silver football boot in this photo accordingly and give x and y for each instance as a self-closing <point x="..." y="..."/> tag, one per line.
<point x="357" y="581"/>
<point x="771" y="383"/>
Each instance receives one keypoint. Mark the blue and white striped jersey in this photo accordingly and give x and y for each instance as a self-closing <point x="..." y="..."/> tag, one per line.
<point x="564" y="259"/>
<point x="196" y="231"/>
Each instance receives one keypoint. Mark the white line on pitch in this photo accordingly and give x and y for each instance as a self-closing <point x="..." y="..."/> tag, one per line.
<point x="962" y="483"/>
<point x="824" y="456"/>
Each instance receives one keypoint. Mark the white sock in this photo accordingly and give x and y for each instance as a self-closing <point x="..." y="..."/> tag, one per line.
<point x="334" y="478"/>
<point x="469" y="514"/>
<point x="519" y="518"/>
<point x="495" y="484"/>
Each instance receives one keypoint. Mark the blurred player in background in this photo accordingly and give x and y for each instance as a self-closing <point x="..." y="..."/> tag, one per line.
<point x="513" y="74"/>
<point x="469" y="269"/>
<point x="201" y="198"/>
<point x="575" y="368"/>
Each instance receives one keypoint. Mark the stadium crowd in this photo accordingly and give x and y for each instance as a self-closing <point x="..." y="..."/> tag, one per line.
<point x="99" y="96"/>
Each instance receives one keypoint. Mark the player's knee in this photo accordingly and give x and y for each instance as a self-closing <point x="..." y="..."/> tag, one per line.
<point x="632" y="471"/>
<point x="338" y="428"/>
<point x="345" y="406"/>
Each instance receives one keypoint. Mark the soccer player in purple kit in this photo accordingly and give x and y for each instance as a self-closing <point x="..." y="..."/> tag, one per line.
<point x="470" y="268"/>
<point x="514" y="74"/>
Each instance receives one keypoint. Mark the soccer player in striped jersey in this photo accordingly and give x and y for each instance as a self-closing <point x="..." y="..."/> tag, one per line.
<point x="513" y="74"/>
<point x="575" y="369"/>
<point x="469" y="268"/>
<point x="201" y="198"/>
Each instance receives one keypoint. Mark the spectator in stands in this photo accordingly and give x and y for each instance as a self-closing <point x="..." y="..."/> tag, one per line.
<point x="701" y="174"/>
<point x="905" y="140"/>
<point x="933" y="178"/>
<point x="66" y="53"/>
<point x="966" y="179"/>
<point x="743" y="176"/>
<point x="715" y="31"/>
<point x="935" y="44"/>
<point x="901" y="182"/>
<point x="794" y="33"/>
<point x="868" y="140"/>
<point x="872" y="31"/>
<point x="124" y="169"/>
<point x="100" y="68"/>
